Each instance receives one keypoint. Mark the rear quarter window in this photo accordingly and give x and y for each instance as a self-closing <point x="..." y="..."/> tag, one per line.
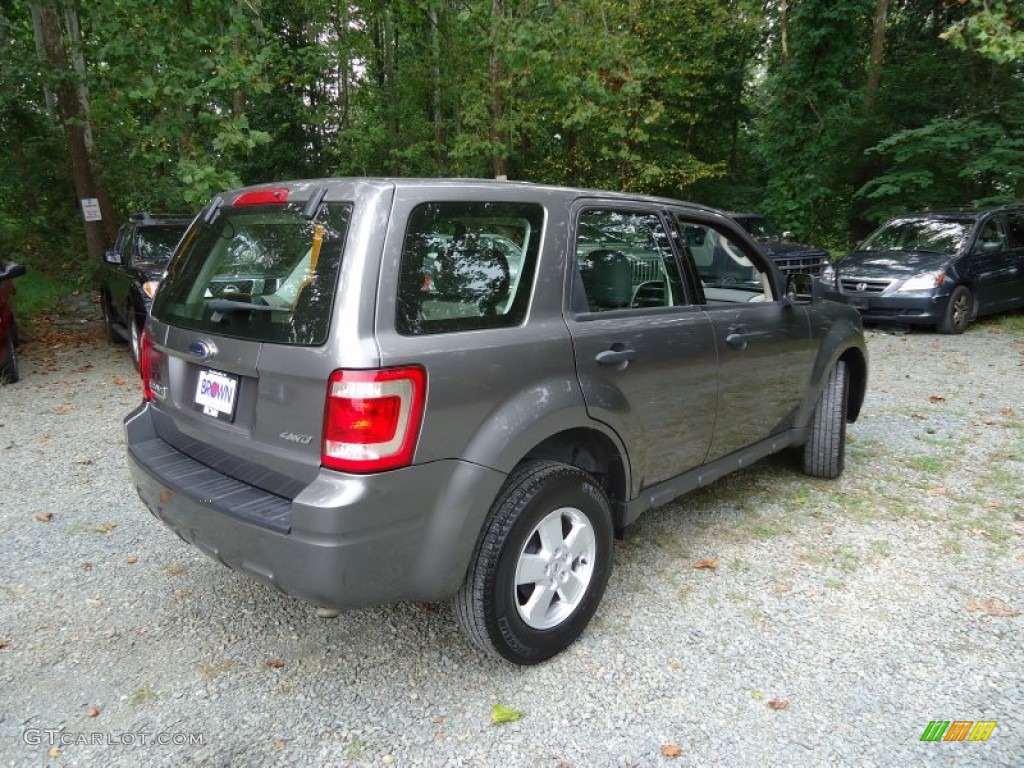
<point x="467" y="266"/>
<point x="264" y="273"/>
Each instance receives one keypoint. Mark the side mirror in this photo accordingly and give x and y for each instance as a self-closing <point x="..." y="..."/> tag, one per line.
<point x="9" y="270"/>
<point x="112" y="257"/>
<point x="800" y="289"/>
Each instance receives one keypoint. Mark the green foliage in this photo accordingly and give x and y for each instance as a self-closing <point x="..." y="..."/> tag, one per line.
<point x="995" y="30"/>
<point x="969" y="161"/>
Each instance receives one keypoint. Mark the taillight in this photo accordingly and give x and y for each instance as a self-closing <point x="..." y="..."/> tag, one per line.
<point x="149" y="365"/>
<point x="372" y="418"/>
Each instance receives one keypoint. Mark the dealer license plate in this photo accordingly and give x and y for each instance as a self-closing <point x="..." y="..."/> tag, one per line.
<point x="216" y="394"/>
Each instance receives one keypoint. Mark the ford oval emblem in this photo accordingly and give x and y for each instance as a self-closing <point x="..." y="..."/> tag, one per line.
<point x="202" y="350"/>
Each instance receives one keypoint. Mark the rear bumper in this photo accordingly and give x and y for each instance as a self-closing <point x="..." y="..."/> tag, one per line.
<point x="344" y="541"/>
<point x="904" y="309"/>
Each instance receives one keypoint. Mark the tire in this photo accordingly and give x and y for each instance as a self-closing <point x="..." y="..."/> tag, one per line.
<point x="959" y="311"/>
<point x="134" y="335"/>
<point x="113" y="337"/>
<point x="9" y="372"/>
<point x="550" y="529"/>
<point x="825" y="450"/>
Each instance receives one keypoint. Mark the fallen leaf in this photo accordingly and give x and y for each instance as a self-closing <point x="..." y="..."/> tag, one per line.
<point x="938" y="491"/>
<point x="165" y="496"/>
<point x="671" y="750"/>
<point x="53" y="751"/>
<point x="438" y="719"/>
<point x="86" y="566"/>
<point x="1007" y="411"/>
<point x="993" y="503"/>
<point x="84" y="460"/>
<point x="66" y="408"/>
<point x="119" y="381"/>
<point x="133" y="560"/>
<point x="502" y="714"/>
<point x="757" y="695"/>
<point x="992" y="606"/>
<point x="936" y="399"/>
<point x="709" y="564"/>
<point x="93" y="712"/>
<point x="275" y="663"/>
<point x="43" y="517"/>
<point x="105" y="527"/>
<point x="777" y="704"/>
<point x="280" y="743"/>
<point x="4" y="642"/>
<point x="918" y="416"/>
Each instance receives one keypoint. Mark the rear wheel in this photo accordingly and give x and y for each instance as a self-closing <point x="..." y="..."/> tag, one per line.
<point x="108" y="321"/>
<point x="825" y="451"/>
<point x="541" y="565"/>
<point x="9" y="372"/>
<point x="134" y="335"/>
<point x="959" y="311"/>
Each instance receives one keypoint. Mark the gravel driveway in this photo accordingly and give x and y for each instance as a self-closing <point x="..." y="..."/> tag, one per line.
<point x="830" y="621"/>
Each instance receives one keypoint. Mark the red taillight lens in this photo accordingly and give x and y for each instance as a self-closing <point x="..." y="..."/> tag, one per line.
<point x="149" y="364"/>
<point x="275" y="196"/>
<point x="372" y="418"/>
<point x="144" y="347"/>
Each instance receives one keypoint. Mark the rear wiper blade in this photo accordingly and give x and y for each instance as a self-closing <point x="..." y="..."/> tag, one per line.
<point x="222" y="307"/>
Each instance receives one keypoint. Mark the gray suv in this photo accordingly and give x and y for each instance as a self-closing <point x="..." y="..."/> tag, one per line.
<point x="366" y="391"/>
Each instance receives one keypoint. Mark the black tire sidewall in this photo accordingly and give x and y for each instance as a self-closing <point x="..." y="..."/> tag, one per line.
<point x="571" y="488"/>
<point x="949" y="325"/>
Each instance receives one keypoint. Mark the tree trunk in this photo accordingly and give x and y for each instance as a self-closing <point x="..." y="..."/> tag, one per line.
<point x="74" y="120"/>
<point x="877" y="52"/>
<point x="784" y="28"/>
<point x="499" y="162"/>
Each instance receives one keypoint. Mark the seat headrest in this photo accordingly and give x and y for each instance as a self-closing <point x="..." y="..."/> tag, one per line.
<point x="607" y="278"/>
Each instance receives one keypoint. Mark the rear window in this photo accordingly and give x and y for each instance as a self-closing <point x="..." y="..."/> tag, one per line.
<point x="467" y="266"/>
<point x="264" y="273"/>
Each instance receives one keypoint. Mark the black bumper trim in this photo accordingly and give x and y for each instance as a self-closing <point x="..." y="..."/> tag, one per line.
<point x="223" y="494"/>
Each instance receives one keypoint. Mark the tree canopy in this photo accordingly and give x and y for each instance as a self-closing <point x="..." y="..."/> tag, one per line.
<point x="828" y="115"/>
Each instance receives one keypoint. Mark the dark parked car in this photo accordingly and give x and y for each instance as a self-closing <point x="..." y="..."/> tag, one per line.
<point x="940" y="268"/>
<point x="8" y="327"/>
<point x="130" y="274"/>
<point x="790" y="257"/>
<point x="427" y="389"/>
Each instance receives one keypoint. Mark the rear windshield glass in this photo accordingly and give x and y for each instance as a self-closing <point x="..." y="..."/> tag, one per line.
<point x="467" y="266"/>
<point x="264" y="273"/>
<point x="156" y="244"/>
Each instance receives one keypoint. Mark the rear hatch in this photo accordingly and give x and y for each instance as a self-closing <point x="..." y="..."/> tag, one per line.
<point x="239" y="349"/>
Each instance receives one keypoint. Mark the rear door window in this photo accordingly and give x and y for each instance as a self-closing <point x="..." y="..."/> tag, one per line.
<point x="625" y="261"/>
<point x="467" y="266"/>
<point x="264" y="273"/>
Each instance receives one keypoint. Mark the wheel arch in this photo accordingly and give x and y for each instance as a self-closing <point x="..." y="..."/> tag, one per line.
<point x="593" y="452"/>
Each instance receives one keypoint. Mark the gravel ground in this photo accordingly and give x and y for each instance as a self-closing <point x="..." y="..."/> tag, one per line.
<point x="838" y="620"/>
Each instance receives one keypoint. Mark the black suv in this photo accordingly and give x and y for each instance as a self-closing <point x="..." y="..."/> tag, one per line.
<point x="131" y="270"/>
<point x="790" y="257"/>
<point x="939" y="268"/>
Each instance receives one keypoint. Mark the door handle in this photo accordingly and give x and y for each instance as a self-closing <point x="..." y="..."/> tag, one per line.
<point x="616" y="356"/>
<point x="735" y="339"/>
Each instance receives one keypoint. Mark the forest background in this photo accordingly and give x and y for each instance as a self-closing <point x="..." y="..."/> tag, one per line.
<point x="826" y="115"/>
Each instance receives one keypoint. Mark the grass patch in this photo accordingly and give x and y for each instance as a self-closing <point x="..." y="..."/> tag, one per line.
<point x="142" y="695"/>
<point x="39" y="293"/>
